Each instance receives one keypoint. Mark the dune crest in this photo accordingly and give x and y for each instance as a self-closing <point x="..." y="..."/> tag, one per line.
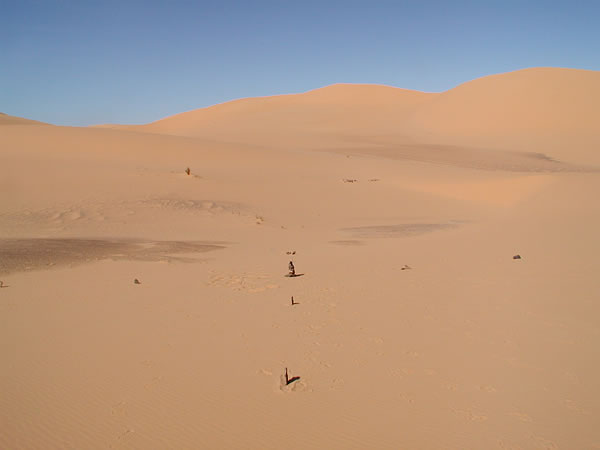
<point x="5" y="119"/>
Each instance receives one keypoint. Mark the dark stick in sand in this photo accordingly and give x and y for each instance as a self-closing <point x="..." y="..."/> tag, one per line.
<point x="289" y="380"/>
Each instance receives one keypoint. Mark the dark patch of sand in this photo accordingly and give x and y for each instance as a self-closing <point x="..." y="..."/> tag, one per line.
<point x="399" y="230"/>
<point x="468" y="157"/>
<point x="350" y="242"/>
<point x="17" y="255"/>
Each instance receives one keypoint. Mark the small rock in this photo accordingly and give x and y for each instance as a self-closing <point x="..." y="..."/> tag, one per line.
<point x="517" y="257"/>
<point x="136" y="281"/>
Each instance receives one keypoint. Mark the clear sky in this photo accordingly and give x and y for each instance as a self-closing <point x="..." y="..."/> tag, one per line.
<point x="81" y="62"/>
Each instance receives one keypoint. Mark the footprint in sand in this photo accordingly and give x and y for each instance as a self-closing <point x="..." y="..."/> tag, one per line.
<point x="120" y="409"/>
<point x="68" y="215"/>
<point x="572" y="406"/>
<point x="470" y="415"/>
<point x="408" y="398"/>
<point x="543" y="443"/>
<point x="521" y="416"/>
<point x="337" y="383"/>
<point x="488" y="389"/>
<point x="125" y="433"/>
<point x="153" y="382"/>
<point x="249" y="282"/>
<point x="508" y="446"/>
<point x="263" y="288"/>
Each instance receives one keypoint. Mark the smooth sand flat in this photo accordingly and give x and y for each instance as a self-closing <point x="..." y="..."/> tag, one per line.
<point x="467" y="349"/>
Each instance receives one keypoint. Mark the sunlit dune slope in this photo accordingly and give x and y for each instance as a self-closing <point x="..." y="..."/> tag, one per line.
<point x="317" y="118"/>
<point x="550" y="111"/>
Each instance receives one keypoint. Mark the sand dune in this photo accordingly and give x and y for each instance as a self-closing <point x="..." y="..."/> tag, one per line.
<point x="543" y="110"/>
<point x="414" y="328"/>
<point x="5" y="119"/>
<point x="540" y="101"/>
<point x="546" y="110"/>
<point x="327" y="117"/>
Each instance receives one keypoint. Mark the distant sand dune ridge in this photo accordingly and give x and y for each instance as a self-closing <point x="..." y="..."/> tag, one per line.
<point x="542" y="110"/>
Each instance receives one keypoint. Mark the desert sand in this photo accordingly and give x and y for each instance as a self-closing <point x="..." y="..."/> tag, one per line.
<point x="414" y="327"/>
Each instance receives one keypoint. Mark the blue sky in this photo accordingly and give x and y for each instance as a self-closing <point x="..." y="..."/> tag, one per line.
<point x="81" y="62"/>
